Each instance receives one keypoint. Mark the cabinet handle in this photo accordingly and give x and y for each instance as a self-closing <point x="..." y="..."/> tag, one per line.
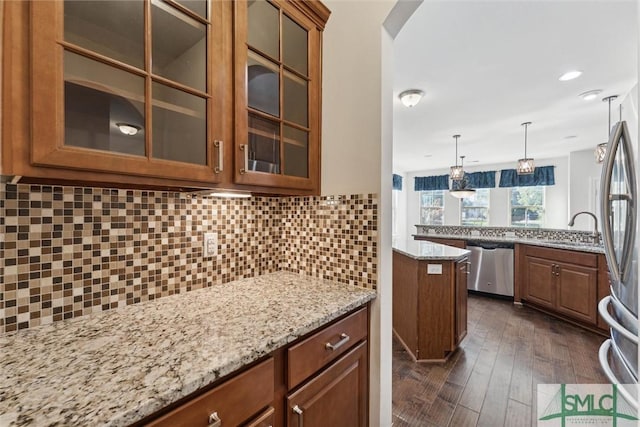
<point x="298" y="411"/>
<point x="245" y="149"/>
<point x="214" y="420"/>
<point x="344" y="338"/>
<point x="220" y="146"/>
<point x="557" y="270"/>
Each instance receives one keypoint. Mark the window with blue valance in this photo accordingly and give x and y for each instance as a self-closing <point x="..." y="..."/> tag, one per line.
<point x="481" y="179"/>
<point x="542" y="175"/>
<point x="397" y="182"/>
<point x="429" y="183"/>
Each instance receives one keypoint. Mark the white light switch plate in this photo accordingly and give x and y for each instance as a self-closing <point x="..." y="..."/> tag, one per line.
<point x="434" y="268"/>
<point x="210" y="244"/>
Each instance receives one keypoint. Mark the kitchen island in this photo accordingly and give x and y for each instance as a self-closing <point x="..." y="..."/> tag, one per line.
<point x="429" y="298"/>
<point x="119" y="367"/>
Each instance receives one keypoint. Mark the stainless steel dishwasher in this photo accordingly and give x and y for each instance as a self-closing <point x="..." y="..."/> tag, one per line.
<point x="491" y="268"/>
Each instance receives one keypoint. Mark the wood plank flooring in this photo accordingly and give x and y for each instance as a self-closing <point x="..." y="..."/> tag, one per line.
<point x="491" y="380"/>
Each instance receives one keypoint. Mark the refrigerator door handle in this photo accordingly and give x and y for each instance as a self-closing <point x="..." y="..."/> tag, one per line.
<point x="604" y="363"/>
<point x="602" y="309"/>
<point x="619" y="268"/>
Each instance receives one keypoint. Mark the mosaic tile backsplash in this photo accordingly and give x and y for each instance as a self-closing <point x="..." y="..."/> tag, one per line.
<point x="70" y="251"/>
<point x="505" y="232"/>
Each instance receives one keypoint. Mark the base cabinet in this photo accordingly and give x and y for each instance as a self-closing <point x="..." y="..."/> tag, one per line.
<point x="336" y="397"/>
<point x="562" y="282"/>
<point x="321" y="379"/>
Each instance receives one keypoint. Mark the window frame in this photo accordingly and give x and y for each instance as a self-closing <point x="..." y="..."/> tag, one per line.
<point x="486" y="208"/>
<point x="540" y="223"/>
<point x="422" y="207"/>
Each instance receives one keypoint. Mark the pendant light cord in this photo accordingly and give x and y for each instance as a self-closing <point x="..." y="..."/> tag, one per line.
<point x="525" y="140"/>
<point x="456" y="137"/>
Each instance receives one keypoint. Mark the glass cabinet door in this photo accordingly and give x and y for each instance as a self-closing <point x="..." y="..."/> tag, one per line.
<point x="279" y="136"/>
<point x="136" y="84"/>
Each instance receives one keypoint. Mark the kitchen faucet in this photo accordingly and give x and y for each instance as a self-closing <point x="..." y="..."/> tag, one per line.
<point x="596" y="237"/>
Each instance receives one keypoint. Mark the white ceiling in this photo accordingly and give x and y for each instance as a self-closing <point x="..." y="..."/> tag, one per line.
<point x="488" y="66"/>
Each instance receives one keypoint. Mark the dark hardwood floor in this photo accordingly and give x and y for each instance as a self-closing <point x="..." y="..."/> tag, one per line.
<point x="491" y="380"/>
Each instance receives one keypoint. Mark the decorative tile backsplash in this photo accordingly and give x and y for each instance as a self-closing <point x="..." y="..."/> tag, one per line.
<point x="70" y="251"/>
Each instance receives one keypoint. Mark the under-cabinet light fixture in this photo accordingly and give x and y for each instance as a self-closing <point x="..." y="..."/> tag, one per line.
<point x="230" y="194"/>
<point x="128" y="129"/>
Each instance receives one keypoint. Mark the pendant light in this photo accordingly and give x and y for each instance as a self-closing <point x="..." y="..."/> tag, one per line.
<point x="457" y="172"/>
<point x="461" y="188"/>
<point x="526" y="165"/>
<point x="601" y="149"/>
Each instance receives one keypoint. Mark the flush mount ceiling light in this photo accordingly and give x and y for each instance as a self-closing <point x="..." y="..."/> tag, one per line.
<point x="457" y="172"/>
<point x="128" y="129"/>
<point x="590" y="95"/>
<point x="526" y="165"/>
<point x="570" y="75"/>
<point x="461" y="188"/>
<point x="411" y="97"/>
<point x="601" y="149"/>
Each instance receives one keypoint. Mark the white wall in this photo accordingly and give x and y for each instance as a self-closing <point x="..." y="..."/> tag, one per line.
<point x="584" y="183"/>
<point x="357" y="151"/>
<point x="556" y="197"/>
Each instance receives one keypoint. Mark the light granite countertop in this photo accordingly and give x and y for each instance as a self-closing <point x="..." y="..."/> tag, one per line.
<point x="117" y="367"/>
<point x="425" y="250"/>
<point x="573" y="246"/>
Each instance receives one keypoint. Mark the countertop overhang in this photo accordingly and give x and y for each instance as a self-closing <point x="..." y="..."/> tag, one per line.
<point x="425" y="250"/>
<point x="117" y="367"/>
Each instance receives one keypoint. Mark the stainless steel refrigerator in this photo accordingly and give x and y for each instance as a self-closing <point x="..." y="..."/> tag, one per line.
<point x="619" y="213"/>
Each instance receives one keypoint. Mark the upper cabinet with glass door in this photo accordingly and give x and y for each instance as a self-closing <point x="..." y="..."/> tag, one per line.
<point x="127" y="87"/>
<point x="278" y="104"/>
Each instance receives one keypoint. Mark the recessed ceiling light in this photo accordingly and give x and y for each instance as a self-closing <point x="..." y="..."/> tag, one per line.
<point x="570" y="136"/>
<point x="570" y="75"/>
<point x="590" y="95"/>
<point x="411" y="97"/>
<point x="474" y="161"/>
<point x="128" y="129"/>
<point x="428" y="155"/>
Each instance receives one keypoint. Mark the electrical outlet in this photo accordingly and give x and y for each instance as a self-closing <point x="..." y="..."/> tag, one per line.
<point x="210" y="244"/>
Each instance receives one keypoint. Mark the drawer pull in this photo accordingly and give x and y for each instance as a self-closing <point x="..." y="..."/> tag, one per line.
<point x="220" y="164"/>
<point x="214" y="420"/>
<point x="298" y="411"/>
<point x="343" y="340"/>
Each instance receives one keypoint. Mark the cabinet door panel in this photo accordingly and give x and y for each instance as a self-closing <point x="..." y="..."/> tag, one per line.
<point x="461" y="300"/>
<point x="337" y="397"/>
<point x="539" y="280"/>
<point x="576" y="287"/>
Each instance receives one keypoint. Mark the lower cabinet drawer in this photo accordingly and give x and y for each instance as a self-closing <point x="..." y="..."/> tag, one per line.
<point x="265" y="419"/>
<point x="312" y="354"/>
<point x="232" y="402"/>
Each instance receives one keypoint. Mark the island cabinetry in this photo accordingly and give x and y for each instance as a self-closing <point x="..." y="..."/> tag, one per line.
<point x="429" y="305"/>
<point x="560" y="281"/>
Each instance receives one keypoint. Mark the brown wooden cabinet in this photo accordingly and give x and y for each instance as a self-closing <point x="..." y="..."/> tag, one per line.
<point x="429" y="305"/>
<point x="143" y="93"/>
<point x="319" y="380"/>
<point x="336" y="397"/>
<point x="563" y="282"/>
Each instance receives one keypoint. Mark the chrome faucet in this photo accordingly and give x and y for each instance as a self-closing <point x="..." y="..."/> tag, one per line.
<point x="596" y="236"/>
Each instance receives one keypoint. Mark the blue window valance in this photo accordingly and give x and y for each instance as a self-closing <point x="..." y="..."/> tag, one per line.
<point x="542" y="175"/>
<point x="397" y="182"/>
<point x="481" y="179"/>
<point x="429" y="183"/>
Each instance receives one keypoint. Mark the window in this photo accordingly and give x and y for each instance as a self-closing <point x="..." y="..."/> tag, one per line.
<point x="527" y="207"/>
<point x="432" y="207"/>
<point x="475" y="210"/>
